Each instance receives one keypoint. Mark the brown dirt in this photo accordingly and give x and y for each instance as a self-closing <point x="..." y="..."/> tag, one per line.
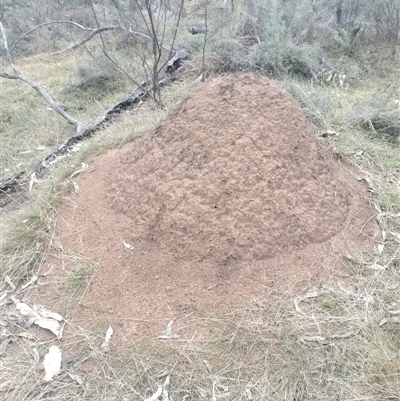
<point x="226" y="198"/>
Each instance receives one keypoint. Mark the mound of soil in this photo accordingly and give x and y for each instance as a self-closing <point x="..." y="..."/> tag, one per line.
<point x="230" y="193"/>
<point x="234" y="173"/>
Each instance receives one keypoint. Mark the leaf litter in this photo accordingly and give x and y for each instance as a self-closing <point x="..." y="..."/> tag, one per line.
<point x="40" y="316"/>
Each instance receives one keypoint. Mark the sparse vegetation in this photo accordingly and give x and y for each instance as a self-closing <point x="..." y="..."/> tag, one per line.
<point x="338" y="339"/>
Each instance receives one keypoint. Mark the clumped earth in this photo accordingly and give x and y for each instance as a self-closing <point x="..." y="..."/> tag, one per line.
<point x="227" y="198"/>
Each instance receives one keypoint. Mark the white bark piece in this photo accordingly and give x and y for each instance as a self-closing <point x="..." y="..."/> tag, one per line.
<point x="52" y="363"/>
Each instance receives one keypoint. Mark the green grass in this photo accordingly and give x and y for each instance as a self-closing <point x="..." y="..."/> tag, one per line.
<point x="77" y="278"/>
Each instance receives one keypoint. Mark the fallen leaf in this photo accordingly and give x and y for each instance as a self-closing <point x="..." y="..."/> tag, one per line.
<point x="346" y="334"/>
<point x="165" y="389"/>
<point x="52" y="363"/>
<point x="209" y="367"/>
<point x="32" y="181"/>
<point x="30" y="282"/>
<point x="109" y="334"/>
<point x="317" y="339"/>
<point x="48" y="272"/>
<point x="36" y="356"/>
<point x="155" y="396"/>
<point x="393" y="319"/>
<point x="49" y="324"/>
<point x="27" y="335"/>
<point x="311" y="294"/>
<point x="76" y="147"/>
<point x="396" y="236"/>
<point x="128" y="246"/>
<point x="9" y="282"/>
<point x="3" y="346"/>
<point x="44" y="312"/>
<point x="258" y="303"/>
<point x="24" y="309"/>
<point x="168" y="333"/>
<point x="48" y="320"/>
<point x="78" y="379"/>
<point x="81" y="170"/>
<point x="76" y="186"/>
<point x="248" y="394"/>
<point x="377" y="267"/>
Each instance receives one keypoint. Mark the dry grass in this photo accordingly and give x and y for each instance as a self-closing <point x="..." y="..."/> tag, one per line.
<point x="336" y="340"/>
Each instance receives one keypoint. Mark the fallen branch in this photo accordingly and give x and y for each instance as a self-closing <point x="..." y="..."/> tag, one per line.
<point x="141" y="93"/>
<point x="167" y="75"/>
<point x="49" y="23"/>
<point x="91" y="36"/>
<point x="82" y="130"/>
<point x="18" y="75"/>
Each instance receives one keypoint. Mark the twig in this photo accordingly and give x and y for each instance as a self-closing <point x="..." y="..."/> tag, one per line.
<point x="48" y="23"/>
<point x="91" y="36"/>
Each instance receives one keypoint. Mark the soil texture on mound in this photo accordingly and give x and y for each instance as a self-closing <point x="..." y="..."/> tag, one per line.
<point x="229" y="194"/>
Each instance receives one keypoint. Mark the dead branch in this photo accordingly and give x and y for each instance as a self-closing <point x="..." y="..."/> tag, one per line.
<point x="168" y="75"/>
<point x="94" y="32"/>
<point x="45" y="24"/>
<point x="91" y="36"/>
<point x="82" y="130"/>
<point x="18" y="75"/>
